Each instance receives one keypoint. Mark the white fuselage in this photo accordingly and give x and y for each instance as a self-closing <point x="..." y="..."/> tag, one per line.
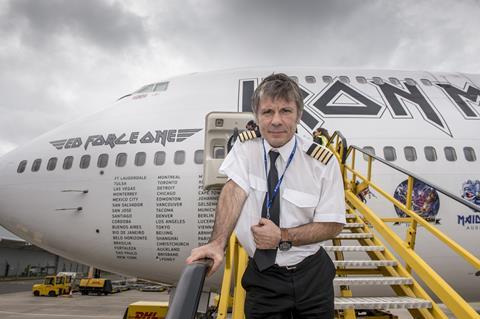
<point x="143" y="219"/>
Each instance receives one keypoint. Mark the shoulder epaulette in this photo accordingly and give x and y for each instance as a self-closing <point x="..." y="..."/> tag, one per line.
<point x="320" y="153"/>
<point x="248" y="135"/>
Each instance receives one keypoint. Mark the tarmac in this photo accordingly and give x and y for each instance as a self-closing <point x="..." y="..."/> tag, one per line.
<point x="23" y="304"/>
<point x="17" y="301"/>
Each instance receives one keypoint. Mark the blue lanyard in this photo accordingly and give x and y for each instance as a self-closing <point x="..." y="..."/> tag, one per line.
<point x="277" y="187"/>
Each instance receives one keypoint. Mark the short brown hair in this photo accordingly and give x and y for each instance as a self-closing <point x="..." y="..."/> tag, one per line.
<point x="277" y="86"/>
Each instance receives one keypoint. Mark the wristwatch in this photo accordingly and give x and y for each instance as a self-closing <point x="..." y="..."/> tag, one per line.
<point x="284" y="243"/>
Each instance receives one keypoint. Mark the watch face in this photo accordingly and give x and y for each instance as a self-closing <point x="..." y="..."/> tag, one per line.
<point x="284" y="245"/>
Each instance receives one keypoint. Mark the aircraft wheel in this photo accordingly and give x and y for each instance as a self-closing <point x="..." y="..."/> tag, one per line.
<point x="36" y="293"/>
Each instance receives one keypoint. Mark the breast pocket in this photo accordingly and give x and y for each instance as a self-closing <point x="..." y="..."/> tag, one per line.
<point x="299" y="207"/>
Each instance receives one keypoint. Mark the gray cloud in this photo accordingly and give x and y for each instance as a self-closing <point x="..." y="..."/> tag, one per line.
<point x="105" y="25"/>
<point x="62" y="59"/>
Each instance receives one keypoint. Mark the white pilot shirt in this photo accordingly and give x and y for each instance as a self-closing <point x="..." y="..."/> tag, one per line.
<point x="310" y="191"/>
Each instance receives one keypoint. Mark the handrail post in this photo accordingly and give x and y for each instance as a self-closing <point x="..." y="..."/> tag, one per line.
<point x="412" y="229"/>
<point x="187" y="295"/>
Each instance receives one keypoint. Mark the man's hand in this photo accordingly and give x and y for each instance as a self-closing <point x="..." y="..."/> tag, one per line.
<point x="212" y="251"/>
<point x="266" y="234"/>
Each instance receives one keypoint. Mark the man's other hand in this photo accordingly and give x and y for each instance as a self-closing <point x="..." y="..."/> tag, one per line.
<point x="212" y="251"/>
<point x="266" y="234"/>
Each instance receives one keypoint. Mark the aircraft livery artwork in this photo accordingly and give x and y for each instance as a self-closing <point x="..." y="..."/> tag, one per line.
<point x="340" y="99"/>
<point x="111" y="139"/>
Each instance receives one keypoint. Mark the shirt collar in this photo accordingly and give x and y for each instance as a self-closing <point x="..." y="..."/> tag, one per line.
<point x="284" y="150"/>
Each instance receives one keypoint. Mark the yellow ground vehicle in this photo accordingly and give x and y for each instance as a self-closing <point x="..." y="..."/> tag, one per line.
<point x="95" y="285"/>
<point x="53" y="286"/>
<point x="146" y="310"/>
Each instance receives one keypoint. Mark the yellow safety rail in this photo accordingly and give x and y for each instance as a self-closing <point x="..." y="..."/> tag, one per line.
<point x="355" y="182"/>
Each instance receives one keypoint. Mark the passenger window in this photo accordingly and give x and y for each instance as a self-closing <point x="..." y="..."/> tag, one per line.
<point x="450" y="154"/>
<point x="344" y="79"/>
<point x="389" y="153"/>
<point x="21" y="166"/>
<point x="159" y="158"/>
<point x="198" y="157"/>
<point x="361" y="79"/>
<point x="85" y="161"/>
<point x="310" y="79"/>
<point x="140" y="158"/>
<point x="410" y="153"/>
<point x="121" y="160"/>
<point x="469" y="153"/>
<point x="52" y="163"/>
<point x="102" y="160"/>
<point x="327" y="79"/>
<point x="430" y="153"/>
<point x="67" y="162"/>
<point x="179" y="157"/>
<point x="410" y="81"/>
<point x="426" y="82"/>
<point x="394" y="81"/>
<point x="377" y="80"/>
<point x="369" y="150"/>
<point x="218" y="151"/>
<point x="36" y="165"/>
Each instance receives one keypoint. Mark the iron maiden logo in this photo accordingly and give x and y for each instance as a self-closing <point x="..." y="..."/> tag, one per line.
<point x="112" y="139"/>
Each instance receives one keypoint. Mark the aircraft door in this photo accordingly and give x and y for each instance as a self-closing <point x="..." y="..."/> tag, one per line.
<point x="219" y="128"/>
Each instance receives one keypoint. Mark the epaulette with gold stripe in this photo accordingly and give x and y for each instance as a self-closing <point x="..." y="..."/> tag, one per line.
<point x="320" y="153"/>
<point x="248" y="135"/>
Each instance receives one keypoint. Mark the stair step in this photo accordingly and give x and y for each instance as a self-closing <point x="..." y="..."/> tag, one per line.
<point x="353" y="225"/>
<point x="364" y="263"/>
<point x="381" y="303"/>
<point x="354" y="248"/>
<point x="354" y="235"/>
<point x="365" y="280"/>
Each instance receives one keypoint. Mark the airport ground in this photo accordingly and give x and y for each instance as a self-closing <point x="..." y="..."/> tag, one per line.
<point x="17" y="301"/>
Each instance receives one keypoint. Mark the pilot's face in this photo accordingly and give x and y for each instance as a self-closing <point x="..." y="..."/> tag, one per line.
<point x="277" y="120"/>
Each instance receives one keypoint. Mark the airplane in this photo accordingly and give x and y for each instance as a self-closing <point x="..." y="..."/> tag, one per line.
<point x="122" y="189"/>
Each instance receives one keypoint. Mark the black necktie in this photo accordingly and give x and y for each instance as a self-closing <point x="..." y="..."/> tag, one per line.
<point x="265" y="258"/>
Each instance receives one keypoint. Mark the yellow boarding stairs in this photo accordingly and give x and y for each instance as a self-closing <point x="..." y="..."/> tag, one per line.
<point x="381" y="267"/>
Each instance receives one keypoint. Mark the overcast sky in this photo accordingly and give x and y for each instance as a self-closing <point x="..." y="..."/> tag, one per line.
<point x="60" y="59"/>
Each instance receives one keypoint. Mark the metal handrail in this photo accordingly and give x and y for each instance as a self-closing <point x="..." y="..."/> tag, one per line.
<point x="344" y="151"/>
<point x="406" y="249"/>
<point x="462" y="201"/>
<point x="187" y="295"/>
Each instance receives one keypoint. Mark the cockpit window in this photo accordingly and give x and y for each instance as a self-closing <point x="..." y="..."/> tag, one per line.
<point x="52" y="163"/>
<point x="85" y="161"/>
<point x="121" y="160"/>
<point x="21" y="166"/>
<point x="161" y="86"/>
<point x="146" y="89"/>
<point x="36" y="165"/>
<point x="154" y="87"/>
<point x="67" y="163"/>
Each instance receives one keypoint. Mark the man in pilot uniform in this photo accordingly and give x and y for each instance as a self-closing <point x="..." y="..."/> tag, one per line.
<point x="284" y="197"/>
